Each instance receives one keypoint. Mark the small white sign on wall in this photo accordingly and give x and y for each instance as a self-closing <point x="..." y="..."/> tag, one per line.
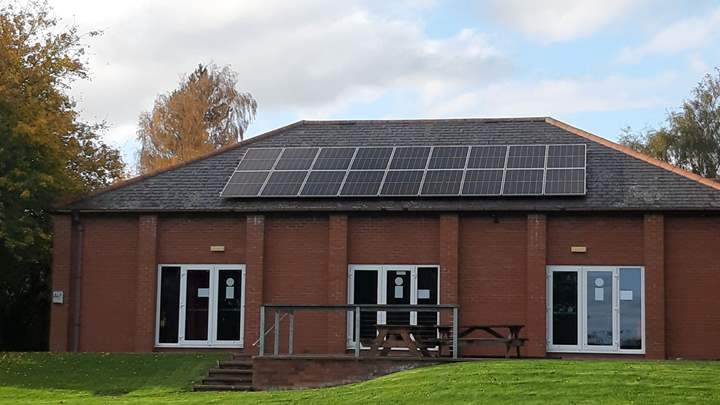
<point x="58" y="297"/>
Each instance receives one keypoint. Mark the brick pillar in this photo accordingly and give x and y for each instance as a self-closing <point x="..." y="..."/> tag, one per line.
<point x="449" y="253"/>
<point x="654" y="258"/>
<point x="145" y="283"/>
<point x="535" y="325"/>
<point x="61" y="265"/>
<point x="337" y="281"/>
<point x="254" y="266"/>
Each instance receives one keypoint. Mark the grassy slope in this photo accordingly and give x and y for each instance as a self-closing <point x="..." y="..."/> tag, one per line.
<point x="135" y="378"/>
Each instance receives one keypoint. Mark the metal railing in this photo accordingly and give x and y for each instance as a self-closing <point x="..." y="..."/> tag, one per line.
<point x="355" y="309"/>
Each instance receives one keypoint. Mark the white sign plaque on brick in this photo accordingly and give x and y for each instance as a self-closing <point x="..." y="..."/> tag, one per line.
<point x="58" y="297"/>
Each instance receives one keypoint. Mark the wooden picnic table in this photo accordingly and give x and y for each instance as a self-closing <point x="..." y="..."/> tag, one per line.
<point x="415" y="339"/>
<point x="509" y="339"/>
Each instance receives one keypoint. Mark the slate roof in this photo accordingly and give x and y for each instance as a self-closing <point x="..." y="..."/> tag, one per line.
<point x="617" y="179"/>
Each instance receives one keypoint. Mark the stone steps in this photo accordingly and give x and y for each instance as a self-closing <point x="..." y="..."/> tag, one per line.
<point x="228" y="375"/>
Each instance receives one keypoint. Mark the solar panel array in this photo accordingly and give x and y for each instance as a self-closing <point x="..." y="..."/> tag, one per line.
<point x="402" y="171"/>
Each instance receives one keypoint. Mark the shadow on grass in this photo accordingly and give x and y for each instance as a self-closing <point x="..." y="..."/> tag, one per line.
<point x="104" y="374"/>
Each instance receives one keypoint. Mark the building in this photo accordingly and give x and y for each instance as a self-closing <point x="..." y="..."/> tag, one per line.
<point x="593" y="247"/>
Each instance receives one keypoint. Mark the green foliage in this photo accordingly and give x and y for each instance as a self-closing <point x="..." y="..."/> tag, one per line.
<point x="691" y="137"/>
<point x="46" y="155"/>
<point x="166" y="378"/>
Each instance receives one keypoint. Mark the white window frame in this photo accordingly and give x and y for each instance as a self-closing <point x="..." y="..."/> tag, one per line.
<point x="212" y="342"/>
<point x="382" y="270"/>
<point x="582" y="346"/>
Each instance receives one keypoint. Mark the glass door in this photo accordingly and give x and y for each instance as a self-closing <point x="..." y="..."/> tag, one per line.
<point x="211" y="304"/>
<point x="399" y="291"/>
<point x="229" y="306"/>
<point x="600" y="310"/>
<point x="195" y="309"/>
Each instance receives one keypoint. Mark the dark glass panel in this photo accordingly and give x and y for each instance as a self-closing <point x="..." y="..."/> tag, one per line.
<point x="169" y="304"/>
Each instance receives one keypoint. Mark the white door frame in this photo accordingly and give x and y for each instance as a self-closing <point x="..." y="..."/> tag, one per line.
<point x="382" y="270"/>
<point x="211" y="341"/>
<point x="582" y="346"/>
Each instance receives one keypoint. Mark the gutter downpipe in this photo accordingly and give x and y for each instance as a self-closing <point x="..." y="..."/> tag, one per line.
<point x="76" y="277"/>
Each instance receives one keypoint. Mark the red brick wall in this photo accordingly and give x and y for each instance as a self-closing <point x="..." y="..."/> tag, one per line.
<point x="296" y="251"/>
<point x="187" y="239"/>
<point x="109" y="271"/>
<point x="303" y="259"/>
<point x="61" y="263"/>
<point x="610" y="239"/>
<point x="394" y="239"/>
<point x="692" y="283"/>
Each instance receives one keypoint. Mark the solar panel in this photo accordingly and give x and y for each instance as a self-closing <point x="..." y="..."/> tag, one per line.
<point x="448" y="157"/>
<point x="362" y="183"/>
<point x="442" y="182"/>
<point x="523" y="182"/>
<point x="526" y="156"/>
<point x="371" y="158"/>
<point x="334" y="159"/>
<point x="487" y="157"/>
<point x="402" y="182"/>
<point x="476" y="170"/>
<point x="296" y="159"/>
<point x="246" y="183"/>
<point x="565" y="182"/>
<point x="322" y="183"/>
<point x="483" y="182"/>
<point x="566" y="156"/>
<point x="284" y="183"/>
<point x="259" y="159"/>
<point x="412" y="157"/>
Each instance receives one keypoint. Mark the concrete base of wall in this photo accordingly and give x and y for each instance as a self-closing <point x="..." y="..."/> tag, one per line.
<point x="275" y="373"/>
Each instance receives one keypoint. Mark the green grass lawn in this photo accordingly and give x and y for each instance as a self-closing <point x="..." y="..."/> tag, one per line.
<point x="166" y="378"/>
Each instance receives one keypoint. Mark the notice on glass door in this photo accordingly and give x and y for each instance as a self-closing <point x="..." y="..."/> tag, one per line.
<point x="599" y="294"/>
<point x="398" y="291"/>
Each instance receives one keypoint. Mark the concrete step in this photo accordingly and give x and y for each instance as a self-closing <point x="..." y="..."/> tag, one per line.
<point x="227" y="380"/>
<point x="230" y="371"/>
<point x="222" y="387"/>
<point x="236" y="364"/>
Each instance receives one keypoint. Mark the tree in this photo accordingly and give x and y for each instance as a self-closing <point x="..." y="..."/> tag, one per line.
<point x="47" y="154"/>
<point x="206" y="112"/>
<point x="691" y="139"/>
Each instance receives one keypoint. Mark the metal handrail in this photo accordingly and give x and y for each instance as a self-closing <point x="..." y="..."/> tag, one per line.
<point x="289" y="309"/>
<point x="269" y="330"/>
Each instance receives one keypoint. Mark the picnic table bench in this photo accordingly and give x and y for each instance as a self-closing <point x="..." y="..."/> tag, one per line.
<point x="415" y="338"/>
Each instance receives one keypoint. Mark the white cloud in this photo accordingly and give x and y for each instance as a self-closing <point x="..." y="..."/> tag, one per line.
<point x="683" y="35"/>
<point x="561" y="20"/>
<point x="560" y="97"/>
<point x="312" y="58"/>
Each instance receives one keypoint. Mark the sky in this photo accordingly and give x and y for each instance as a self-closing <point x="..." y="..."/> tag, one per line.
<point x="600" y="65"/>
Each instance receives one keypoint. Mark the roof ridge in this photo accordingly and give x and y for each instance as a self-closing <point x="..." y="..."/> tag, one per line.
<point x="633" y="153"/>
<point x="428" y="120"/>
<point x="127" y="182"/>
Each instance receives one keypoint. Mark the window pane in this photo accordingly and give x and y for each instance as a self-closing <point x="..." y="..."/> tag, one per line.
<point x="630" y="309"/>
<point x="169" y="304"/>
<point x="599" y="303"/>
<point x="229" y="304"/>
<point x="365" y="292"/>
<point x="197" y="304"/>
<point x="565" y="308"/>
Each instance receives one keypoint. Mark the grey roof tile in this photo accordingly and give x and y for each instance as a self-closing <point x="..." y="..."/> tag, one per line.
<point x="615" y="180"/>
